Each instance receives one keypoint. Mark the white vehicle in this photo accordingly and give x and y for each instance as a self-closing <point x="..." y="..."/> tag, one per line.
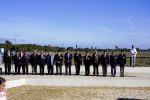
<point x="1" y="54"/>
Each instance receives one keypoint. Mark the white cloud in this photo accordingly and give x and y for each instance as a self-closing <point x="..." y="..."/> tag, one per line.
<point x="131" y="26"/>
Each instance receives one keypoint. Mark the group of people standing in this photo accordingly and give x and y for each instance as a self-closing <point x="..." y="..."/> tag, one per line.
<point x="104" y="60"/>
<point x="21" y="60"/>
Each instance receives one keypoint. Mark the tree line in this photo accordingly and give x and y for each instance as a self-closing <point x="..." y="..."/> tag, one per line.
<point x="30" y="47"/>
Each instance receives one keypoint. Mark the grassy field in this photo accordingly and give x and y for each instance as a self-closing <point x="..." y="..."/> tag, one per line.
<point x="77" y="93"/>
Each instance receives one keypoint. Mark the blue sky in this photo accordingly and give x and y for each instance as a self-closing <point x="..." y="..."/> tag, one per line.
<point x="97" y="23"/>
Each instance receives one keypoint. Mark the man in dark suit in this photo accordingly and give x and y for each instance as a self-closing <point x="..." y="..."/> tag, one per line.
<point x="25" y="62"/>
<point x="104" y="62"/>
<point x="16" y="62"/>
<point x="50" y="62"/>
<point x="77" y="61"/>
<point x="20" y="62"/>
<point x="113" y="63"/>
<point x="42" y="61"/>
<point x="58" y="59"/>
<point x="95" y="62"/>
<point x="68" y="62"/>
<point x="34" y="62"/>
<point x="7" y="61"/>
<point x="122" y="62"/>
<point x="87" y="63"/>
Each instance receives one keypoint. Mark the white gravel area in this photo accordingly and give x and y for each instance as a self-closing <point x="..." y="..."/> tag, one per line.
<point x="134" y="77"/>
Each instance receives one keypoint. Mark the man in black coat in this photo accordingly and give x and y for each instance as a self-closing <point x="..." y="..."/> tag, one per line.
<point x="122" y="62"/>
<point x="104" y="62"/>
<point x="95" y="62"/>
<point x="42" y="62"/>
<point x="34" y="62"/>
<point x="68" y="62"/>
<point x="77" y="61"/>
<point x="113" y="63"/>
<point x="7" y="62"/>
<point x="20" y="62"/>
<point x="50" y="62"/>
<point x="58" y="59"/>
<point x="25" y="62"/>
<point x="87" y="63"/>
<point x="17" y="62"/>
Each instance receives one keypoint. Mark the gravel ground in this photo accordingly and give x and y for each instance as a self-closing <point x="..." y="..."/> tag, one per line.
<point x="135" y="85"/>
<point x="77" y="93"/>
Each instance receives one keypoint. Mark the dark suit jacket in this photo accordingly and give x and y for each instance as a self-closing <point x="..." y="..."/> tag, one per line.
<point x="34" y="59"/>
<point x="25" y="59"/>
<point x="7" y="59"/>
<point x="94" y="60"/>
<point x="104" y="60"/>
<point x="17" y="61"/>
<point x="48" y="60"/>
<point x="68" y="60"/>
<point x="42" y="61"/>
<point x="58" y="59"/>
<point x="122" y="59"/>
<point x="87" y="60"/>
<point x="77" y="58"/>
<point x="113" y="60"/>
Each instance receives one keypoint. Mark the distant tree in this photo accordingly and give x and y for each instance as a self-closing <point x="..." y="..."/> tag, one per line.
<point x="8" y="45"/>
<point x="86" y="49"/>
<point x="138" y="49"/>
<point x="71" y="48"/>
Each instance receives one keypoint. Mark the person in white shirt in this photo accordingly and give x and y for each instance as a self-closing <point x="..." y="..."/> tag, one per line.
<point x="133" y="53"/>
<point x="2" y="89"/>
